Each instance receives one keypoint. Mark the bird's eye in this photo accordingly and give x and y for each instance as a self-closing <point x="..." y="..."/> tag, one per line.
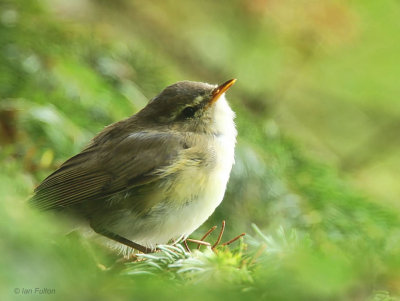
<point x="189" y="112"/>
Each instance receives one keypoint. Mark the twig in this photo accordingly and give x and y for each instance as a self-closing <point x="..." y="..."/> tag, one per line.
<point x="233" y="239"/>
<point x="204" y="243"/>
<point x="220" y="235"/>
<point x="205" y="235"/>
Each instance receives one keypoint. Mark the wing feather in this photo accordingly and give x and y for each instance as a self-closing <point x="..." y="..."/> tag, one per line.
<point x="96" y="173"/>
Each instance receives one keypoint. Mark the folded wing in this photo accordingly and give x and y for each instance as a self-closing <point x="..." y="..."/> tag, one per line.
<point x="98" y="173"/>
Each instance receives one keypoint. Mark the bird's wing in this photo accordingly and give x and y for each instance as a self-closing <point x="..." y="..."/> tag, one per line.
<point x="138" y="159"/>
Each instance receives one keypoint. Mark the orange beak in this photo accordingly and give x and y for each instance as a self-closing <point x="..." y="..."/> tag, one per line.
<point x="221" y="89"/>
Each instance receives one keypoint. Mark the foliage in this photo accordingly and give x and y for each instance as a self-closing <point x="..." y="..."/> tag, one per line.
<point x="316" y="160"/>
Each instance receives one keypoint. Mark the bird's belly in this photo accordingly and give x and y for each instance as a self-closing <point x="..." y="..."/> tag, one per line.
<point x="187" y="217"/>
<point x="193" y="198"/>
<point x="178" y="217"/>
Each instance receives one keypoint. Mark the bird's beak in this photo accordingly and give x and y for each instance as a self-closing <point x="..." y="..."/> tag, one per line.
<point x="221" y="89"/>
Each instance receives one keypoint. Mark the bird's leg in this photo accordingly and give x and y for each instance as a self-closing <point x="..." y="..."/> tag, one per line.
<point x="186" y="246"/>
<point x="123" y="240"/>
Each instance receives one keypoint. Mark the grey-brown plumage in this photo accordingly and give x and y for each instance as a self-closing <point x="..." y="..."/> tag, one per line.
<point x="137" y="174"/>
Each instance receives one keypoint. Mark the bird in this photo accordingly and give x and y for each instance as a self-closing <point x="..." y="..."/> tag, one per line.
<point x="155" y="176"/>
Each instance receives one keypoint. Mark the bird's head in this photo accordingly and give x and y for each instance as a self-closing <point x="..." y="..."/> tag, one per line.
<point x="191" y="107"/>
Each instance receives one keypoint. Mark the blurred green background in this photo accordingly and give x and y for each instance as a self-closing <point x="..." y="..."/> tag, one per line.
<point x="317" y="161"/>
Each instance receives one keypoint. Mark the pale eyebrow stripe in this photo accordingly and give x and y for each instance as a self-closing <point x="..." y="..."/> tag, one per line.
<point x="198" y="99"/>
